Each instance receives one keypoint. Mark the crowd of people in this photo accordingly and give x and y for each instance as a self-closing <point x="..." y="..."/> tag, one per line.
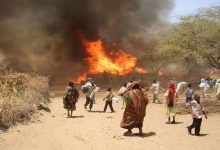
<point x="135" y="100"/>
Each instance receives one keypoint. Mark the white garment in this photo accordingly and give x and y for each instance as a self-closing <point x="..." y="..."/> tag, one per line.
<point x="122" y="90"/>
<point x="115" y="100"/>
<point x="196" y="109"/>
<point x="204" y="86"/>
<point x="155" y="88"/>
<point x="128" y="84"/>
<point x="94" y="91"/>
<point x="90" y="88"/>
<point x="180" y="86"/>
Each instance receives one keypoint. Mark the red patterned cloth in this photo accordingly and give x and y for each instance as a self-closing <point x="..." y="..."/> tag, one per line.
<point x="171" y="92"/>
<point x="135" y="111"/>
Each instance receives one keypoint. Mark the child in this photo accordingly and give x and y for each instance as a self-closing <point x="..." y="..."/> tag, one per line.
<point x="108" y="98"/>
<point x="197" y="111"/>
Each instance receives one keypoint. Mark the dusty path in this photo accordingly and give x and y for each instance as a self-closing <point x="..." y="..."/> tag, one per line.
<point x="97" y="131"/>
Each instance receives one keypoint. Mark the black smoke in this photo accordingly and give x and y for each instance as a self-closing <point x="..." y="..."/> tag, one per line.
<point x="43" y="33"/>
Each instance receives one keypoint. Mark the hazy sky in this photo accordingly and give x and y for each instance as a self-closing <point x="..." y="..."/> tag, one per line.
<point x="185" y="7"/>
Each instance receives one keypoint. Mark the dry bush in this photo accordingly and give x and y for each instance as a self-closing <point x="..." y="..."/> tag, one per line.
<point x="20" y="93"/>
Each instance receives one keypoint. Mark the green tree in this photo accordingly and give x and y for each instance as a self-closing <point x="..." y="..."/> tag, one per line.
<point x="195" y="39"/>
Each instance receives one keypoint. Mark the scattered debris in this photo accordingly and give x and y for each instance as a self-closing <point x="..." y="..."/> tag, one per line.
<point x="44" y="107"/>
<point x="109" y="117"/>
<point x="80" y="139"/>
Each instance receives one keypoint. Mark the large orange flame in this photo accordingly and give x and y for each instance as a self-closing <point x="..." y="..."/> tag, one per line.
<point x="116" y="62"/>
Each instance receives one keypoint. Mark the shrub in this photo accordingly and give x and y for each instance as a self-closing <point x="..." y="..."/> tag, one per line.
<point x="20" y="93"/>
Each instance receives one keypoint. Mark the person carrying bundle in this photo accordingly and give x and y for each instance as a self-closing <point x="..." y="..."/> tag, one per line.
<point x="90" y="89"/>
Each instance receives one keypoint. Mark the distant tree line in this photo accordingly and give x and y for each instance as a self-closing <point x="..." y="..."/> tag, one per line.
<point x="195" y="39"/>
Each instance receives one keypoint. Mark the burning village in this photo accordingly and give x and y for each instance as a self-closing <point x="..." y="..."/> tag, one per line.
<point x="119" y="74"/>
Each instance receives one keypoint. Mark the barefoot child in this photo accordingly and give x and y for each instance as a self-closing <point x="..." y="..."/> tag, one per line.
<point x="197" y="111"/>
<point x="108" y="98"/>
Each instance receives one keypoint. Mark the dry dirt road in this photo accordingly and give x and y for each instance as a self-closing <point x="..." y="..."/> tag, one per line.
<point x="101" y="131"/>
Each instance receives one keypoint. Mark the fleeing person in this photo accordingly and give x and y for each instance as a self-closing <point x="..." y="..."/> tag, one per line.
<point x="204" y="87"/>
<point x="121" y="94"/>
<point x="189" y="94"/>
<point x="170" y="102"/>
<point x="197" y="111"/>
<point x="135" y="110"/>
<point x="156" y="89"/>
<point x="90" y="89"/>
<point x="108" y="100"/>
<point x="70" y="99"/>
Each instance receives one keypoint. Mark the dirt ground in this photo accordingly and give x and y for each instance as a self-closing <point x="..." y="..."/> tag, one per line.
<point x="96" y="131"/>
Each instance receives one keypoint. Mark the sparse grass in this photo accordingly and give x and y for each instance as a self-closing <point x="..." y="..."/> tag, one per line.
<point x="20" y="93"/>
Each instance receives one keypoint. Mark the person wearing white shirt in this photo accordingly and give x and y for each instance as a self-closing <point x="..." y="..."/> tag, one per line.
<point x="91" y="89"/>
<point x="156" y="89"/>
<point x="197" y="111"/>
<point x="189" y="94"/>
<point x="204" y="88"/>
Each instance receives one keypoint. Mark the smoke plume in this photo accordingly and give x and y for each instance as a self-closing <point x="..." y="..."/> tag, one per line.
<point x="43" y="33"/>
